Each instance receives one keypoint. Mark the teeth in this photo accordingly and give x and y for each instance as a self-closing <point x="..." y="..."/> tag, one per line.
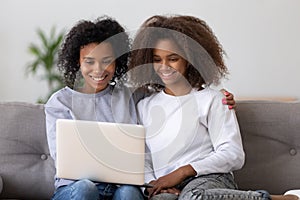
<point x="98" y="78"/>
<point x="166" y="74"/>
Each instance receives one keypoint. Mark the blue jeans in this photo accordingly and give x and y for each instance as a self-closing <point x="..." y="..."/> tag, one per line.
<point x="213" y="187"/>
<point x="88" y="190"/>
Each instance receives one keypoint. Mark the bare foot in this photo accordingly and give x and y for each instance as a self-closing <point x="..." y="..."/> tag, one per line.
<point x="284" y="197"/>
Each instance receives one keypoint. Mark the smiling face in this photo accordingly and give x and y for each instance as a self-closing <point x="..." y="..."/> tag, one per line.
<point x="97" y="64"/>
<point x="169" y="65"/>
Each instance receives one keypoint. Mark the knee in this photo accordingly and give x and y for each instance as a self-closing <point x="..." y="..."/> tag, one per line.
<point x="85" y="187"/>
<point x="192" y="194"/>
<point x="128" y="189"/>
<point x="128" y="192"/>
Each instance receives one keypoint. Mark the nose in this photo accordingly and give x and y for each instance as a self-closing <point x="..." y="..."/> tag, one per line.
<point x="166" y="67"/>
<point x="98" y="67"/>
<point x="164" y="64"/>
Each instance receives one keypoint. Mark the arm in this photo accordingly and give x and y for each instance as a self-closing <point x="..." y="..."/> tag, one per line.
<point x="224" y="133"/>
<point x="54" y="110"/>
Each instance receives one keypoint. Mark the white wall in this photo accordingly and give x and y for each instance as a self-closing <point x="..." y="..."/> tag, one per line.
<point x="261" y="38"/>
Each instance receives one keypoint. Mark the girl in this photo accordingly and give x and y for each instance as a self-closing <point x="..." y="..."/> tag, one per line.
<point x="93" y="57"/>
<point x="91" y="51"/>
<point x="193" y="143"/>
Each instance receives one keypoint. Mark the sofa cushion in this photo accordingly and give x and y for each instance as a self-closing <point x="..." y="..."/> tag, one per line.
<point x="271" y="138"/>
<point x="27" y="169"/>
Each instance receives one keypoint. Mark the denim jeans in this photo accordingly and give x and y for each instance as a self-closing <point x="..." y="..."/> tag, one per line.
<point x="213" y="187"/>
<point x="88" y="190"/>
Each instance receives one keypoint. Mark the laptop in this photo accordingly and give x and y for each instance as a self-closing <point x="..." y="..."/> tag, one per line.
<point x="100" y="151"/>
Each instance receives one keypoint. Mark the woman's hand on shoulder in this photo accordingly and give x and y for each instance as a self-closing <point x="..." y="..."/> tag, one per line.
<point x="228" y="99"/>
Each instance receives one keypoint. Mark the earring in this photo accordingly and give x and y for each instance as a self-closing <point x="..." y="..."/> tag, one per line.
<point x="112" y="82"/>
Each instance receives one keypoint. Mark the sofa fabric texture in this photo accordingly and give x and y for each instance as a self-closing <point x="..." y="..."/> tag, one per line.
<point x="0" y="184"/>
<point x="270" y="132"/>
<point x="26" y="168"/>
<point x="271" y="138"/>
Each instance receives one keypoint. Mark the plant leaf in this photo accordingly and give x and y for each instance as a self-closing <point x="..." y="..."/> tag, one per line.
<point x="43" y="38"/>
<point x="45" y="55"/>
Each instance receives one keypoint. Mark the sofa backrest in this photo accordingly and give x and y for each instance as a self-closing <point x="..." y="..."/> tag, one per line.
<point x="271" y="138"/>
<point x="270" y="132"/>
<point x="26" y="168"/>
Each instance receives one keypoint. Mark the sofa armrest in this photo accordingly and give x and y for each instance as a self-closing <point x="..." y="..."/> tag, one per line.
<point x="270" y="133"/>
<point x="26" y="168"/>
<point x="1" y="184"/>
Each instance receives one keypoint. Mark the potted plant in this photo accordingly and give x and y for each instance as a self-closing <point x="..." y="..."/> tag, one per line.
<point x="45" y="56"/>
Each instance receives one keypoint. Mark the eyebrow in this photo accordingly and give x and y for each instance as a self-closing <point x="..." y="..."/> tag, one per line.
<point x="87" y="57"/>
<point x="106" y="57"/>
<point x="93" y="58"/>
<point x="173" y="54"/>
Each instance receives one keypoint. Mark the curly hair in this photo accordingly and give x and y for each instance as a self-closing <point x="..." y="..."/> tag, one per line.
<point x="86" y="32"/>
<point x="194" y="38"/>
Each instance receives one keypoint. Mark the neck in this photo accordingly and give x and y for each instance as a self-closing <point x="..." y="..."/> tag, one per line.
<point x="178" y="90"/>
<point x="88" y="90"/>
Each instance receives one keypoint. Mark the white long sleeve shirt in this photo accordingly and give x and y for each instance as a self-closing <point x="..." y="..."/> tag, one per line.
<point x="195" y="129"/>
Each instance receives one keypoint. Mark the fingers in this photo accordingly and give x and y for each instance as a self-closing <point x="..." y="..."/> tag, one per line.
<point x="231" y="103"/>
<point x="163" y="185"/>
<point x="173" y="191"/>
<point x="170" y="191"/>
<point x="229" y="99"/>
<point x="155" y="190"/>
<point x="228" y="95"/>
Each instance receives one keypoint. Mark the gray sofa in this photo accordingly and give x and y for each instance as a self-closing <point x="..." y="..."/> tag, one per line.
<point x="270" y="131"/>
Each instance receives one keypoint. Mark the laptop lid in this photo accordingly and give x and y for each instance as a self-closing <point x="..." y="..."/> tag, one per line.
<point x="100" y="151"/>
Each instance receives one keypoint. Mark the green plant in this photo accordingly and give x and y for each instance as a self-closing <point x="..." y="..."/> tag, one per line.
<point x="45" y="59"/>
